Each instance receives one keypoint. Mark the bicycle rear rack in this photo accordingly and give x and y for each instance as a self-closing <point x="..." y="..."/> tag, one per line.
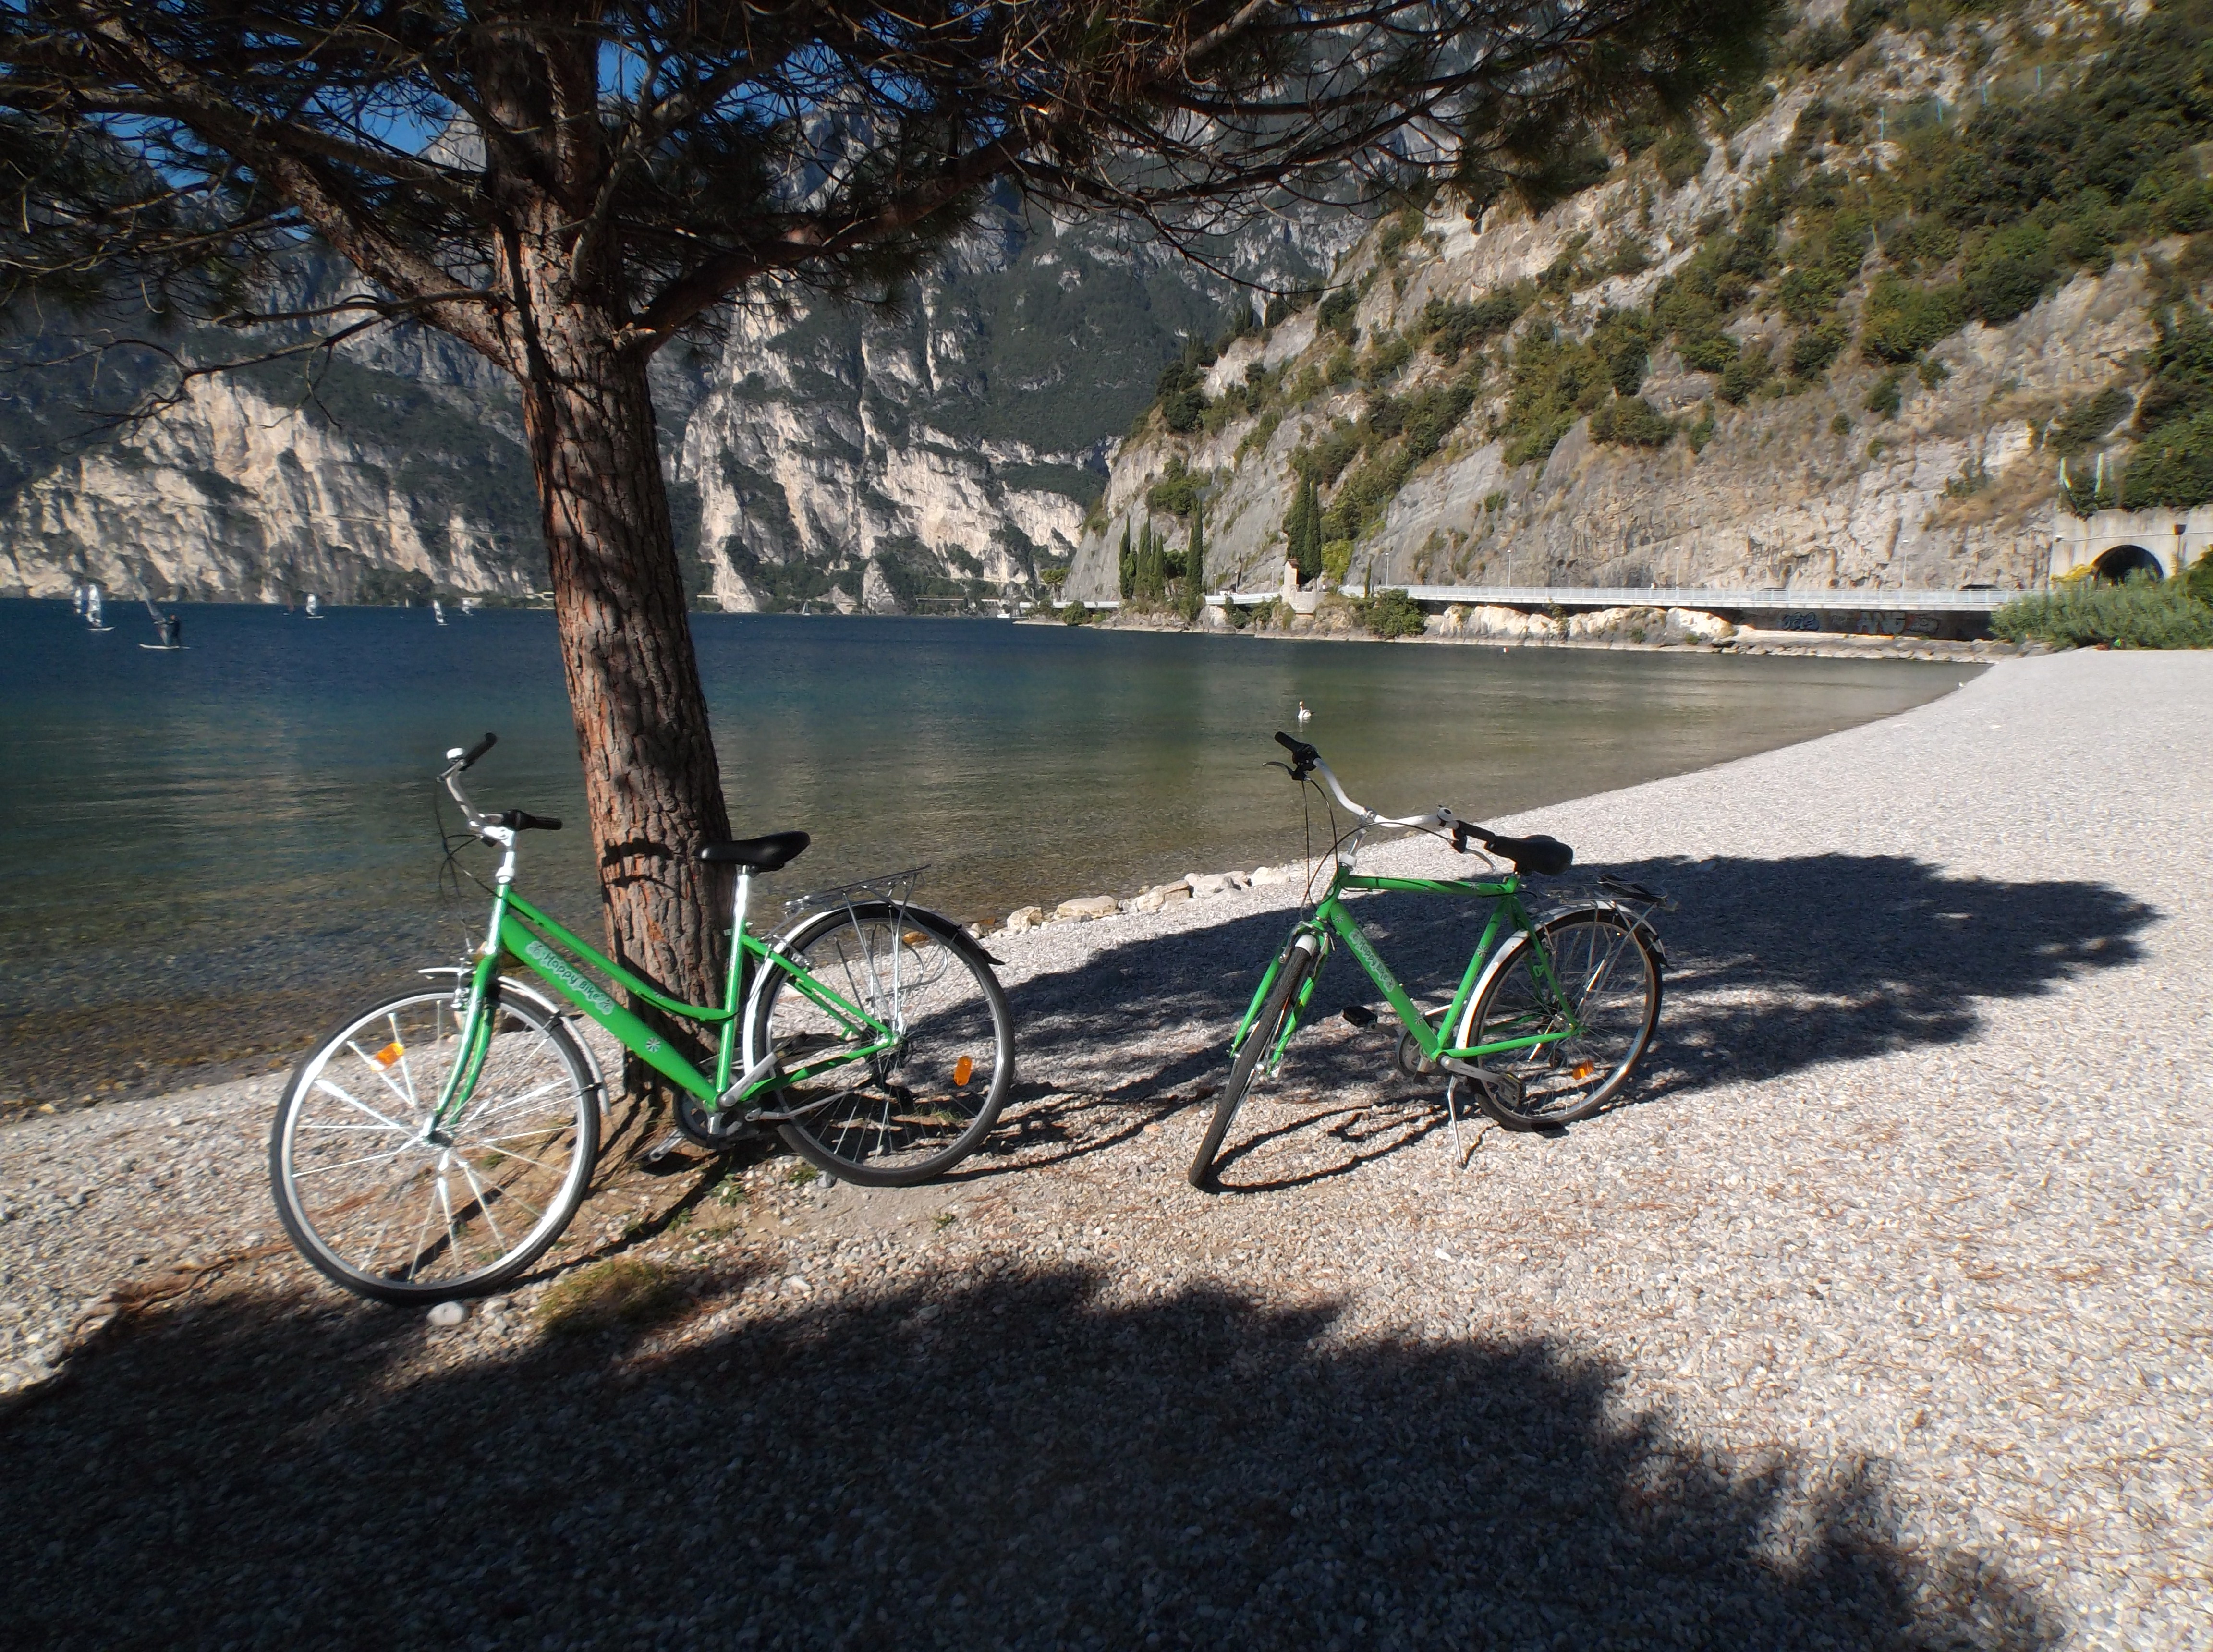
<point x="895" y="889"/>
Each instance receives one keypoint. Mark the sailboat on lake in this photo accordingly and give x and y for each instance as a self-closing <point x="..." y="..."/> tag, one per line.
<point x="314" y="607"/>
<point x="437" y="611"/>
<point x="96" y="612"/>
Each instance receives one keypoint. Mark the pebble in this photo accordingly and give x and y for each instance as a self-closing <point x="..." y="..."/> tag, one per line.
<point x="1874" y="1316"/>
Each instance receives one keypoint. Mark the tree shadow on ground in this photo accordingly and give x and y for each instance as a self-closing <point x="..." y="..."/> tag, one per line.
<point x="1018" y="1462"/>
<point x="1774" y="967"/>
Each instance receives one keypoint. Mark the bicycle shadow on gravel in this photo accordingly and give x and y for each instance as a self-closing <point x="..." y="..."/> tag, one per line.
<point x="1015" y="1460"/>
<point x="1775" y="966"/>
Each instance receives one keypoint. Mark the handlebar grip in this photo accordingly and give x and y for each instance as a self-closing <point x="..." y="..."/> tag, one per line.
<point x="477" y="750"/>
<point x="522" y="819"/>
<point x="1297" y="748"/>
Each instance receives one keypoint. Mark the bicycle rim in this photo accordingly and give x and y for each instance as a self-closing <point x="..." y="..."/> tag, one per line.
<point x="1608" y="977"/>
<point x="910" y="1112"/>
<point x="390" y="1208"/>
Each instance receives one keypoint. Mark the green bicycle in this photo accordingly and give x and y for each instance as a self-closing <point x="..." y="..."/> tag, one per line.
<point x="437" y="1142"/>
<point x="1552" y="1013"/>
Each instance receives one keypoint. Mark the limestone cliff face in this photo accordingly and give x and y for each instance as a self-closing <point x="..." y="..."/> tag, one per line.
<point x="817" y="453"/>
<point x="235" y="496"/>
<point x="838" y="454"/>
<point x="1809" y="488"/>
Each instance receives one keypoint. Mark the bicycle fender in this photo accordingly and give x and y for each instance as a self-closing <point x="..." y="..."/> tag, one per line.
<point x="1639" y="925"/>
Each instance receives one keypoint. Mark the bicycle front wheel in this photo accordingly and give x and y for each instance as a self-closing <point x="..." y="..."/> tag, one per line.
<point x="913" y="1110"/>
<point x="1291" y="972"/>
<point x="1603" y="976"/>
<point x="393" y="1205"/>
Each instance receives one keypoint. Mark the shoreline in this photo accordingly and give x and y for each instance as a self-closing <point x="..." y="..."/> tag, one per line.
<point x="1887" y="1252"/>
<point x="1749" y="642"/>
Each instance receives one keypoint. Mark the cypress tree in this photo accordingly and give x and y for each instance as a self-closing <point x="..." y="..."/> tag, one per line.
<point x="1302" y="530"/>
<point x="1127" y="581"/>
<point x="1194" y="567"/>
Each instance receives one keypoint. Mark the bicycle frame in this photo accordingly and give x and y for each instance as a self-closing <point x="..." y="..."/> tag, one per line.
<point x="522" y="932"/>
<point x="1330" y="919"/>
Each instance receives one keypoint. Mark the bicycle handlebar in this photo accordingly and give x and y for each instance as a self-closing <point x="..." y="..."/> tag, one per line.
<point x="1307" y="760"/>
<point x="468" y="757"/>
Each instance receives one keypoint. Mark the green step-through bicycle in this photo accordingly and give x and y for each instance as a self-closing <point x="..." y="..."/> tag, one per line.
<point x="437" y="1143"/>
<point x="1552" y="1013"/>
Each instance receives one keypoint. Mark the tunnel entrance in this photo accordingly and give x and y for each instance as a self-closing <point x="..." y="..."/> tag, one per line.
<point x="2127" y="562"/>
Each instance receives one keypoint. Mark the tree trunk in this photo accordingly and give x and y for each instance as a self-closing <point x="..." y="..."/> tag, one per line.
<point x="652" y="785"/>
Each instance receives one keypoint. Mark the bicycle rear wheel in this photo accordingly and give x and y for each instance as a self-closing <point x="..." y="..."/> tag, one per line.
<point x="392" y="1209"/>
<point x="1291" y="972"/>
<point x="1607" y="976"/>
<point x="909" y="1112"/>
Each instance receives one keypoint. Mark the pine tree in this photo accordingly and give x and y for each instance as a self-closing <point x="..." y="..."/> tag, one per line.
<point x="1127" y="583"/>
<point x="1194" y="567"/>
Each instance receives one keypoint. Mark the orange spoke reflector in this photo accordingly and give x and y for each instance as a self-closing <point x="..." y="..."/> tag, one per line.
<point x="914" y="938"/>
<point x="1583" y="1070"/>
<point x="963" y="1070"/>
<point x="390" y="1053"/>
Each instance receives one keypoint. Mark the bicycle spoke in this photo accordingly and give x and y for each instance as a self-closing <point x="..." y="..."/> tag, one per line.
<point x="349" y="1164"/>
<point x="484" y="1203"/>
<point x="326" y="1086"/>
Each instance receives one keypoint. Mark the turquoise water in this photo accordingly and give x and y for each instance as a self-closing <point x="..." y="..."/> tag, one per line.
<point x="210" y="853"/>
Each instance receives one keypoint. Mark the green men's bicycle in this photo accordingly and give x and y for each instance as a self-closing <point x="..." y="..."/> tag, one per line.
<point x="1552" y="1013"/>
<point x="437" y="1143"/>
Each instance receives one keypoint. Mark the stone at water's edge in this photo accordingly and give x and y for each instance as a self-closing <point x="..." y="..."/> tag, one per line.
<point x="1214" y="883"/>
<point x="1024" y="917"/>
<point x="1167" y="894"/>
<point x="1088" y="906"/>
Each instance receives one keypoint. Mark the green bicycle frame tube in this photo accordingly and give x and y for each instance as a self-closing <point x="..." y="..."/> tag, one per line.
<point x="540" y="941"/>
<point x="1332" y="918"/>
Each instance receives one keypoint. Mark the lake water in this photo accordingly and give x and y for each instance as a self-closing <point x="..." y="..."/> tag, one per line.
<point x="208" y="854"/>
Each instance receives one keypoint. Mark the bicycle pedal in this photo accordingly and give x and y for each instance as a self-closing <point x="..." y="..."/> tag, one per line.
<point x="675" y="1139"/>
<point x="1359" y="1015"/>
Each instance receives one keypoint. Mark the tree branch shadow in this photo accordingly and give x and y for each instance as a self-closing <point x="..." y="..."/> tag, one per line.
<point x="1776" y="966"/>
<point x="1013" y="1459"/>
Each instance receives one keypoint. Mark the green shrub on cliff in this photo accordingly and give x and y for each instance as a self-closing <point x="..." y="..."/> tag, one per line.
<point x="1391" y="613"/>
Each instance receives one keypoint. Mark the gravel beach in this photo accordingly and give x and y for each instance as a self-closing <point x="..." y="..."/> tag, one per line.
<point x="1875" y="1314"/>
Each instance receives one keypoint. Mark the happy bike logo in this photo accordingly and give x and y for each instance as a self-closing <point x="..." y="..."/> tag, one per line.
<point x="554" y="968"/>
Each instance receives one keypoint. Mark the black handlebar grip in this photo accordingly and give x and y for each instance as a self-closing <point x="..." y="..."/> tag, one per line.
<point x="1297" y="748"/>
<point x="477" y="750"/>
<point x="522" y="819"/>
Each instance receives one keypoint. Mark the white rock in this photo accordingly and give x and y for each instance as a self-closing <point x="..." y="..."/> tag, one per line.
<point x="1698" y="624"/>
<point x="1088" y="906"/>
<point x="1167" y="894"/>
<point x="1024" y="917"/>
<point x="1262" y="876"/>
<point x="1214" y="883"/>
<point x="446" y="1316"/>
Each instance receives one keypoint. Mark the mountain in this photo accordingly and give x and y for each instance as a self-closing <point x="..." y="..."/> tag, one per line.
<point x="815" y="452"/>
<point x="1842" y="335"/>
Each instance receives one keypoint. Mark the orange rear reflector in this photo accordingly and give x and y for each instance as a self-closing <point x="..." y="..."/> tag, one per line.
<point x="390" y="1053"/>
<point x="1583" y="1070"/>
<point x="963" y="1070"/>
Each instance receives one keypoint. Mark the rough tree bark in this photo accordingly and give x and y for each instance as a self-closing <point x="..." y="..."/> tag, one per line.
<point x="652" y="785"/>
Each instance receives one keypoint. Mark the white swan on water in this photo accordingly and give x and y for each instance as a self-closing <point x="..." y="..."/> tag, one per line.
<point x="1305" y="715"/>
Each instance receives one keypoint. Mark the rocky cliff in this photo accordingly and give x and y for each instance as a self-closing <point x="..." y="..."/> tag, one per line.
<point x="1842" y="336"/>
<point x="816" y="452"/>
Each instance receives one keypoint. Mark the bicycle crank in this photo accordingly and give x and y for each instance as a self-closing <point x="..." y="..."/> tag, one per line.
<point x="1503" y="1087"/>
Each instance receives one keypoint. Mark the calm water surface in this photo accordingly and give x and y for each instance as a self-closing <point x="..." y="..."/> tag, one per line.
<point x="210" y="853"/>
